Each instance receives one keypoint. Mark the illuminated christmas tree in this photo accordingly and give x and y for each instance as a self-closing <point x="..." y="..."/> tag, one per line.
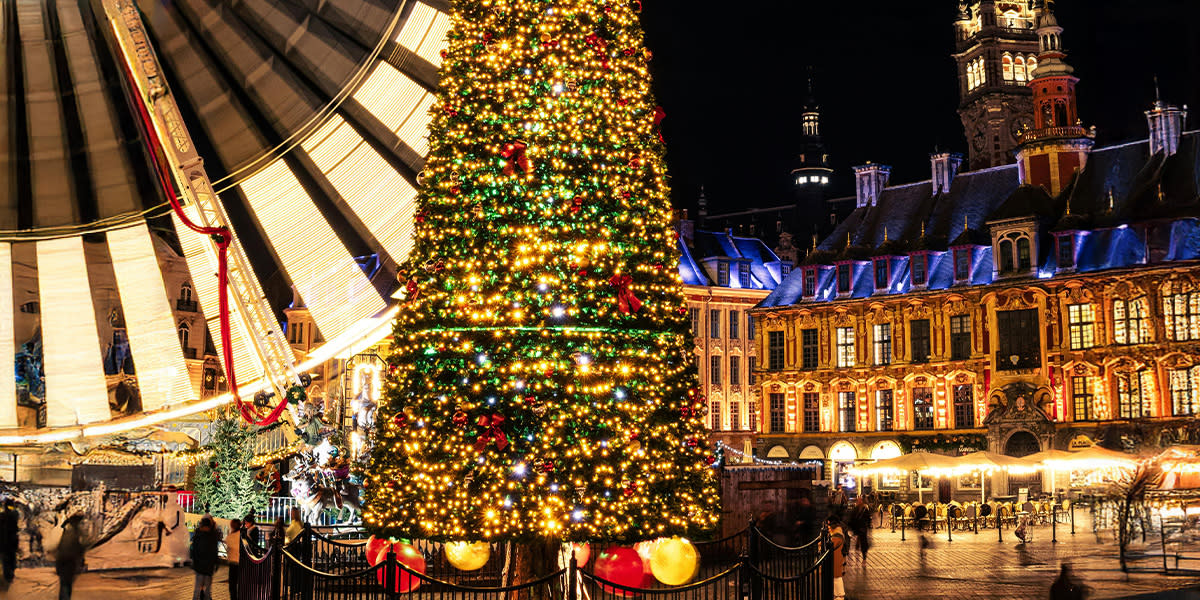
<point x="541" y="384"/>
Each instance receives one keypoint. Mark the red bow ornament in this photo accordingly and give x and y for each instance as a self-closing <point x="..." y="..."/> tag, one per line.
<point x="659" y="115"/>
<point x="515" y="153"/>
<point x="491" y="432"/>
<point x="411" y="290"/>
<point x="626" y="301"/>
<point x="596" y="42"/>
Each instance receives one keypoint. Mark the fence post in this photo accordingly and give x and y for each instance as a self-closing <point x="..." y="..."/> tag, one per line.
<point x="276" y="581"/>
<point x="1072" y="509"/>
<point x="827" y="572"/>
<point x="305" y="579"/>
<point x="391" y="579"/>
<point x="999" y="526"/>
<point x="1053" y="522"/>
<point x="949" y="525"/>
<point x="1162" y="536"/>
<point x="573" y="577"/>
<point x="752" y="541"/>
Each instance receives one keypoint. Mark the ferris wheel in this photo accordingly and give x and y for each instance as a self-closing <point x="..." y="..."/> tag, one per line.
<point x="138" y="131"/>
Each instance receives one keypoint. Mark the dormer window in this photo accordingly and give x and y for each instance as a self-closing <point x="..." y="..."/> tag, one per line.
<point x="1014" y="254"/>
<point x="918" y="262"/>
<point x="962" y="264"/>
<point x="1066" y="251"/>
<point x="723" y="274"/>
<point x="1024" y="257"/>
<point x="785" y="269"/>
<point x="843" y="278"/>
<point x="744" y="275"/>
<point x="810" y="283"/>
<point x="881" y="275"/>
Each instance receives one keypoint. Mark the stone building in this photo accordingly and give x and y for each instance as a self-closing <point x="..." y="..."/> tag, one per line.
<point x="1014" y="308"/>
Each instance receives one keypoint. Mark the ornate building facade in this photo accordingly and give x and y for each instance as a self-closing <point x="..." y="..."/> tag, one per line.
<point x="1015" y="308"/>
<point x="724" y="277"/>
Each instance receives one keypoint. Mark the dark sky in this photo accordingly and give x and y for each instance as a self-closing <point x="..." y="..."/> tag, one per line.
<point x="730" y="76"/>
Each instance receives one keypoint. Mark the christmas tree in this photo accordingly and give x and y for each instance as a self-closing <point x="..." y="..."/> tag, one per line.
<point x="225" y="483"/>
<point x="541" y="387"/>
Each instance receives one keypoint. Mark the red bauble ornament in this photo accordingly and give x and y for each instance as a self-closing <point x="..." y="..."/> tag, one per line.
<point x="405" y="554"/>
<point x="622" y="566"/>
<point x="400" y="420"/>
<point x="460" y="419"/>
<point x="710" y="460"/>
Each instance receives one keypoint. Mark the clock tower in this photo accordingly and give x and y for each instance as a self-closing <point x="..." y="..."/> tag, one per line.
<point x="996" y="53"/>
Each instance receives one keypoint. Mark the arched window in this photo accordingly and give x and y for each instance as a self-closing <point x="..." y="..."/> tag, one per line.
<point x="1024" y="261"/>
<point x="1019" y="70"/>
<point x="1007" y="65"/>
<point x="184" y="334"/>
<point x="185" y="292"/>
<point x="971" y="76"/>
<point x="1006" y="256"/>
<point x="1060" y="114"/>
<point x="1030" y="65"/>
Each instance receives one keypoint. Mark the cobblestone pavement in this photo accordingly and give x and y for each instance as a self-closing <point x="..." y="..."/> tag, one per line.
<point x="971" y="566"/>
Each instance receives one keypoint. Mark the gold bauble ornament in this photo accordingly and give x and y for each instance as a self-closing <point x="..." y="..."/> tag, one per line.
<point x="674" y="561"/>
<point x="468" y="556"/>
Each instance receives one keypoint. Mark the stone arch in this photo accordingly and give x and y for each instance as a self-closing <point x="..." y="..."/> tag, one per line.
<point x="1021" y="442"/>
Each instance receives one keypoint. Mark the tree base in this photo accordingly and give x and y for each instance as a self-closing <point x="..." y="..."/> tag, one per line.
<point x="532" y="561"/>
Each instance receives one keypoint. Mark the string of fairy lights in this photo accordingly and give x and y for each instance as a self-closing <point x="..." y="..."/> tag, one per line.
<point x="539" y="385"/>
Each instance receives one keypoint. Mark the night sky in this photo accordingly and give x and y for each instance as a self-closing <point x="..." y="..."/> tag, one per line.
<point x="730" y="77"/>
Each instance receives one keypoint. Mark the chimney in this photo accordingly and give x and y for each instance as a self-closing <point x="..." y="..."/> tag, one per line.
<point x="1166" y="123"/>
<point x="945" y="167"/>
<point x="869" y="181"/>
<point x="685" y="227"/>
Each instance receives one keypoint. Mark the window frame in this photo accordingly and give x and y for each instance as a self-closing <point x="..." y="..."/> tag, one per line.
<point x="775" y="351"/>
<point x="1182" y="326"/>
<point x="882" y="338"/>
<point x="1081" y="333"/>
<point x="962" y="264"/>
<point x="812" y="411"/>
<point x="1067" y="243"/>
<point x="714" y="415"/>
<point x="882" y="270"/>
<point x="1129" y="321"/>
<point x="694" y="315"/>
<point x="960" y="337"/>
<point x="921" y="340"/>
<point x="1081" y="389"/>
<point x="1130" y="395"/>
<point x="810" y="346"/>
<point x="714" y="369"/>
<point x="735" y="370"/>
<point x="778" y="421"/>
<point x="1024" y="254"/>
<point x="735" y="416"/>
<point x="714" y="323"/>
<point x="845" y="278"/>
<point x="919" y="259"/>
<point x="723" y="273"/>
<point x="885" y="411"/>
<point x="751" y="364"/>
<point x="844" y="349"/>
<point x="963" y="404"/>
<point x="735" y="324"/>
<point x="1018" y="332"/>
<point x="923" y="403"/>
<point x="810" y="283"/>
<point x="847" y="412"/>
<point x="744" y="279"/>
<point x="1186" y="393"/>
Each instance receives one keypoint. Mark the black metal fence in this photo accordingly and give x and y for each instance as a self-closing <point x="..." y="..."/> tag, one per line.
<point x="314" y="566"/>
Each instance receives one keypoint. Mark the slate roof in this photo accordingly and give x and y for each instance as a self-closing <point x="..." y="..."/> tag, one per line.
<point x="698" y="261"/>
<point x="1121" y="185"/>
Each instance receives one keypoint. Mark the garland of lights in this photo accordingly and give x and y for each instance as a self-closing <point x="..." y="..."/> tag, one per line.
<point x="943" y="443"/>
<point x="540" y="385"/>
<point x="741" y="456"/>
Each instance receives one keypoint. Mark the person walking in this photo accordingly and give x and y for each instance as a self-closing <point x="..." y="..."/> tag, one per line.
<point x="10" y="545"/>
<point x="837" y="539"/>
<point x="68" y="559"/>
<point x="233" y="552"/>
<point x="204" y="557"/>
<point x="860" y="525"/>
<point x="1065" y="587"/>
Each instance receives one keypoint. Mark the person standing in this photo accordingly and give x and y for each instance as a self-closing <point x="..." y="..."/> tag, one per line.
<point x="68" y="559"/>
<point x="10" y="545"/>
<point x="837" y="540"/>
<point x="233" y="552"/>
<point x="1065" y="587"/>
<point x="204" y="557"/>
<point x="860" y="525"/>
<point x="294" y="528"/>
<point x="250" y="528"/>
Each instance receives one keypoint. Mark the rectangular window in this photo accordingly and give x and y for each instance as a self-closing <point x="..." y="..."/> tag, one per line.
<point x="964" y="407"/>
<point x="785" y="269"/>
<point x="920" y="340"/>
<point x="751" y="364"/>
<point x="1066" y="252"/>
<point x="1182" y="314"/>
<point x="923" y="408"/>
<point x="812" y="412"/>
<point x="960" y="337"/>
<point x="881" y="275"/>
<point x="843" y="278"/>
<point x="808" y="341"/>
<point x="1081" y="319"/>
<point x="735" y="416"/>
<point x="714" y="324"/>
<point x="775" y="350"/>
<point x="714" y="412"/>
<point x="694" y="315"/>
<point x="1183" y="384"/>
<point x="714" y="370"/>
<point x="847" y="410"/>
<point x="1020" y="342"/>
<point x="1130" y="404"/>
<point x="777" y="413"/>
<point x="810" y="283"/>
<point x="752" y="415"/>
<point x="845" y="347"/>
<point x="918" y="269"/>
<point x="883" y="344"/>
<point x="723" y="274"/>
<point x="962" y="264"/>
<point x="735" y="370"/>
<point x="1081" y="397"/>
<point x="749" y="326"/>
<point x="734" y="324"/>
<point x="744" y="275"/>
<point x="1129" y="321"/>
<point x="883" y="410"/>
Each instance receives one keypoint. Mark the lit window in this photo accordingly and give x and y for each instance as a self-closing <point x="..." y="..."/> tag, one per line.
<point x="1081" y="396"/>
<point x="1019" y="70"/>
<point x="802" y="179"/>
<point x="1030" y="65"/>
<point x="883" y="344"/>
<point x="1007" y="65"/>
<point x="883" y="410"/>
<point x="1131" y="401"/>
<point x="1129" y="321"/>
<point x="824" y="180"/>
<point x="964" y="407"/>
<point x="845" y="347"/>
<point x="923" y="408"/>
<point x="847" y="410"/>
<point x="752" y="415"/>
<point x="1181" y="311"/>
<point x="1081" y="319"/>
<point x="694" y="315"/>
<point x="1184" y="384"/>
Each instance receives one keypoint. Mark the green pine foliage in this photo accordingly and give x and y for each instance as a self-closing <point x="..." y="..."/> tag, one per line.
<point x="225" y="483"/>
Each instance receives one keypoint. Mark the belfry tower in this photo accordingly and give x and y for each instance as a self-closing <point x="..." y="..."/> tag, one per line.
<point x="1057" y="145"/>
<point x="996" y="52"/>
